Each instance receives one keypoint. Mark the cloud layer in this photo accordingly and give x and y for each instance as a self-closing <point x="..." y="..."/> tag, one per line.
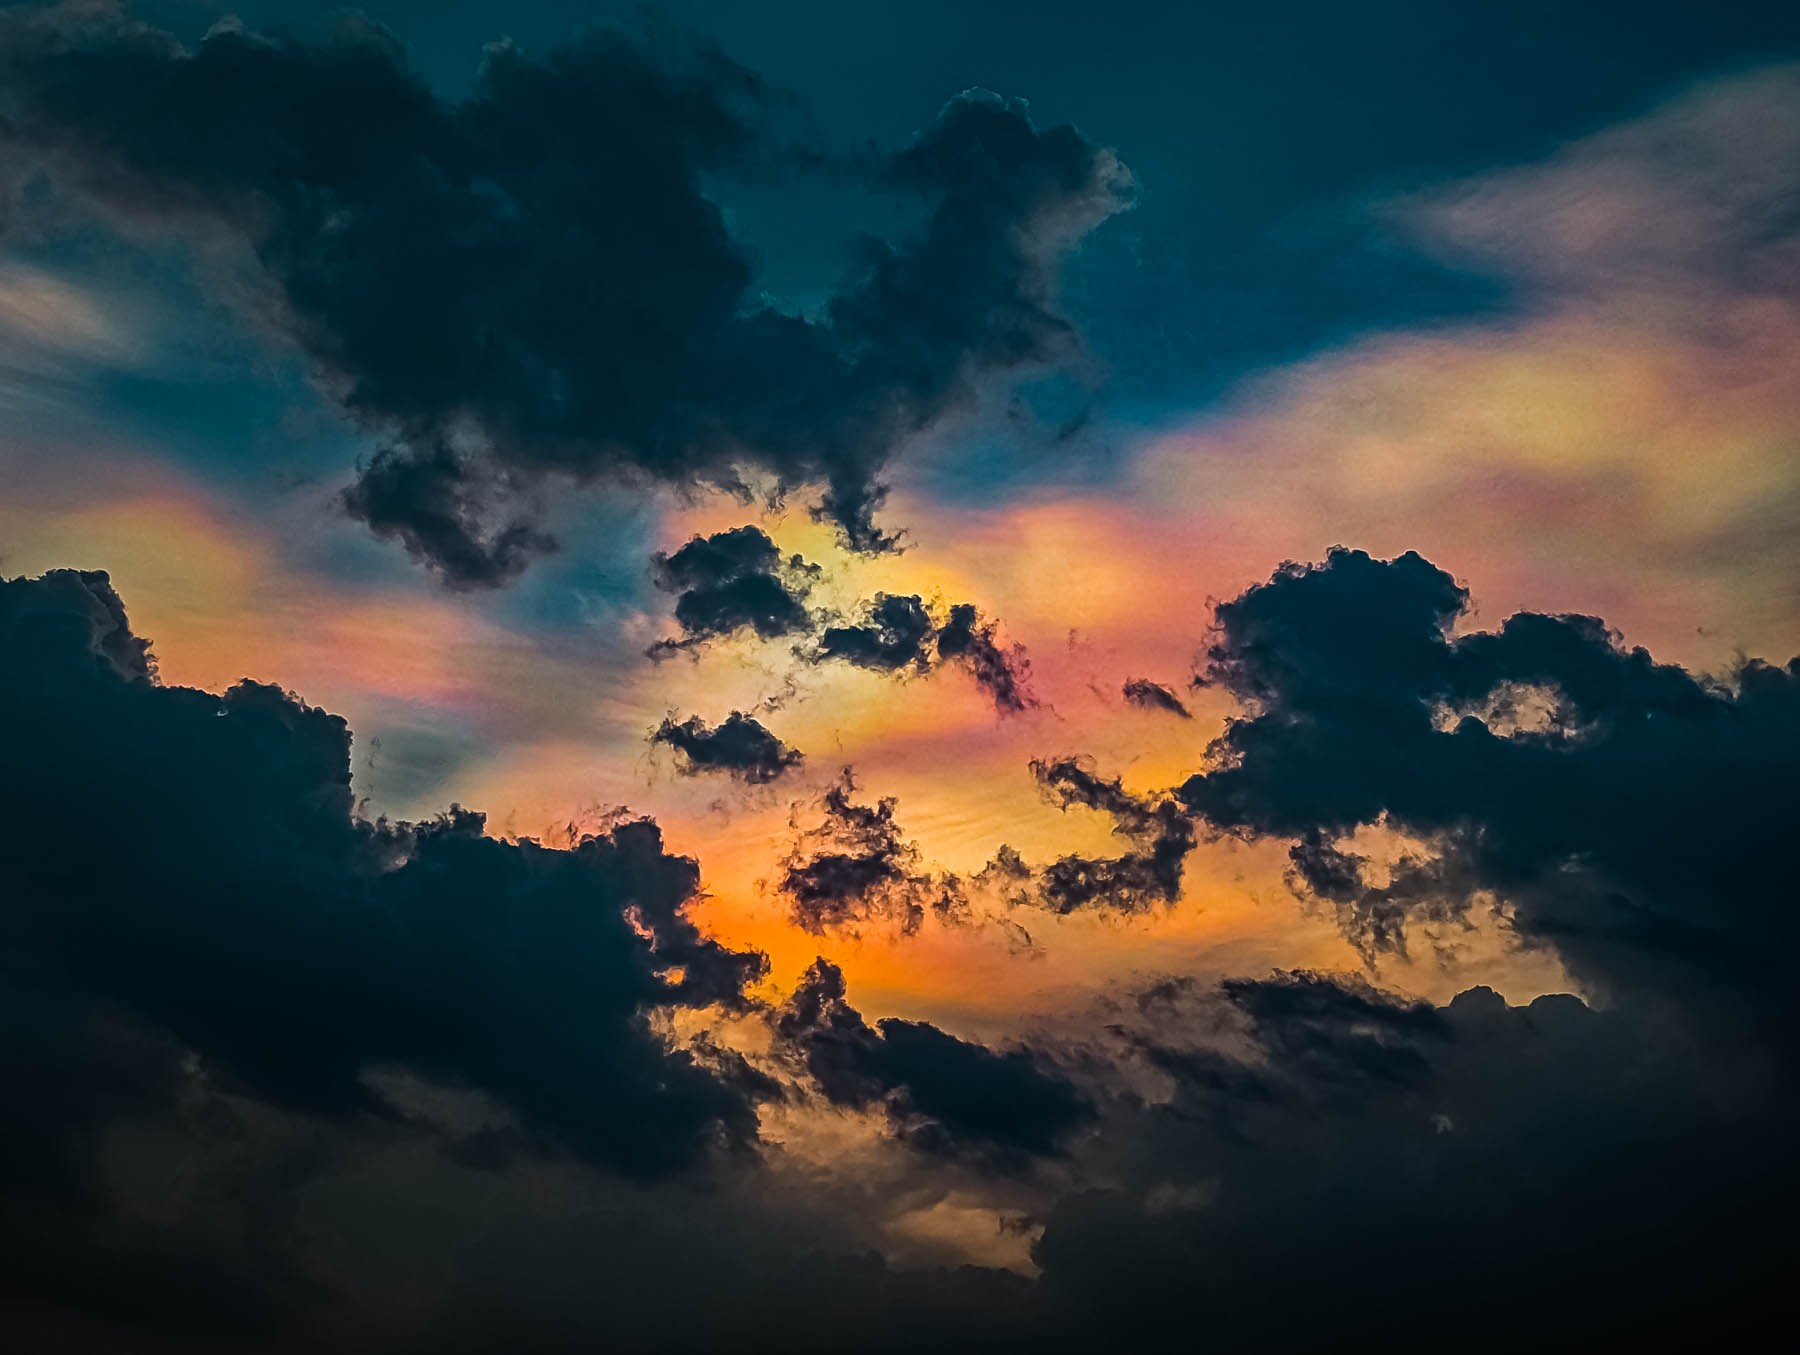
<point x="535" y="283"/>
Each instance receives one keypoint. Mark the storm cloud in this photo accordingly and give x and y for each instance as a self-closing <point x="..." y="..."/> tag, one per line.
<point x="247" y="959"/>
<point x="1385" y="1149"/>
<point x="537" y="282"/>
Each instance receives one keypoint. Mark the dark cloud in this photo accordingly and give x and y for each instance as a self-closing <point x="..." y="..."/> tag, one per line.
<point x="942" y="1094"/>
<point x="240" y="910"/>
<point x="1154" y="696"/>
<point x="855" y="866"/>
<point x="470" y="521"/>
<point x="217" y="976"/>
<point x="897" y="633"/>
<point x="1160" y="832"/>
<point x="268" y="1066"/>
<point x="739" y="746"/>
<point x="1003" y="673"/>
<point x="1630" y="813"/>
<point x="892" y="634"/>
<point x="1503" y="1172"/>
<point x="730" y="581"/>
<point x="1337" y="1032"/>
<point x="536" y="281"/>
<point x="738" y="580"/>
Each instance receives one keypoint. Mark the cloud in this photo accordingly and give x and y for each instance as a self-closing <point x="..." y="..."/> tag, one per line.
<point x="739" y="746"/>
<point x="943" y="1095"/>
<point x="1003" y="673"/>
<point x="1590" y="787"/>
<point x="536" y="282"/>
<point x="1713" y="168"/>
<point x="1312" y="1135"/>
<point x="737" y="580"/>
<point x="356" y="1026"/>
<point x="898" y="634"/>
<point x="732" y="581"/>
<point x="891" y="635"/>
<point x="855" y="867"/>
<point x="241" y="910"/>
<point x="252" y="1036"/>
<point x="1160" y="831"/>
<point x="1154" y="696"/>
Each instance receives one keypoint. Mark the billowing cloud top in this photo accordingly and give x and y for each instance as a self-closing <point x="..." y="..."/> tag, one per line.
<point x="536" y="282"/>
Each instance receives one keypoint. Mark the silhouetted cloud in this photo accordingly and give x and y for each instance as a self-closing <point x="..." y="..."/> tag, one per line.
<point x="1311" y="1125"/>
<point x="892" y="634"/>
<point x="1160" y="831"/>
<point x="855" y="866"/>
<point x="942" y="1094"/>
<point x="1580" y="781"/>
<point x="536" y="281"/>
<point x="1004" y="674"/>
<point x="1154" y="696"/>
<point x="730" y="581"/>
<point x="739" y="746"/>
<point x="246" y="974"/>
<point x="897" y="633"/>
<point x="241" y="910"/>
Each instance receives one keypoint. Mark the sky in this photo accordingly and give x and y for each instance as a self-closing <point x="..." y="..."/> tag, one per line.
<point x="844" y="676"/>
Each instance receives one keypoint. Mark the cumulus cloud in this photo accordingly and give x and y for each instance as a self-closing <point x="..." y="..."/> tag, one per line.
<point x="232" y="1002"/>
<point x="1601" y="825"/>
<point x="537" y="282"/>
<point x="737" y="581"/>
<point x="732" y="581"/>
<point x="293" y="1004"/>
<point x="1004" y="673"/>
<point x="242" y="910"/>
<point x="1309" y="1134"/>
<point x="890" y="636"/>
<point x="942" y="1094"/>
<point x="739" y="746"/>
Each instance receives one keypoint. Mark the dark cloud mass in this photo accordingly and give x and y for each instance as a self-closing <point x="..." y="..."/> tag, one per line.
<point x="1003" y="673"/>
<point x="739" y="746"/>
<point x="242" y="911"/>
<point x="944" y="1095"/>
<point x="732" y="581"/>
<point x="737" y="580"/>
<point x="1549" y="1175"/>
<point x="230" y="1001"/>
<point x="892" y="635"/>
<point x="281" y="1077"/>
<point x="218" y="975"/>
<point x="1629" y="813"/>
<point x="536" y="281"/>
